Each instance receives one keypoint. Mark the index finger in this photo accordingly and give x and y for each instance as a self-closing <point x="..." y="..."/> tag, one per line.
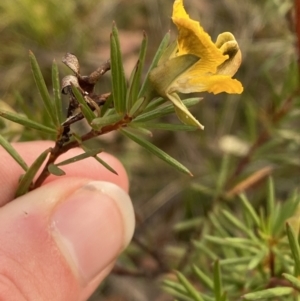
<point x="10" y="171"/>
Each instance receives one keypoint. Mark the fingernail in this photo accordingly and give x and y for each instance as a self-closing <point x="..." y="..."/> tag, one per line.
<point x="92" y="226"/>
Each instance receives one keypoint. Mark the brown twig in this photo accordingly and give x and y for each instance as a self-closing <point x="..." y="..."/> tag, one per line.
<point x="61" y="148"/>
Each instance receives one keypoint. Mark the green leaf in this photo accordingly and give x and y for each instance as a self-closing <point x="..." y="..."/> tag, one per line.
<point x="107" y="105"/>
<point x="189" y="287"/>
<point x="164" y="126"/>
<point x="14" y="154"/>
<point x="53" y="169"/>
<point x="168" y="52"/>
<point x="223" y="173"/>
<point x="203" y="278"/>
<point x="57" y="93"/>
<point x="139" y="130"/>
<point x="164" y="110"/>
<point x="271" y="204"/>
<point x="136" y="106"/>
<point x="293" y="280"/>
<point x="205" y="250"/>
<point x="155" y="103"/>
<point x="85" y="109"/>
<point x="156" y="151"/>
<point x="100" y="122"/>
<point x="259" y="258"/>
<point x="105" y="165"/>
<point x="26" y="122"/>
<point x="227" y="242"/>
<point x="132" y="93"/>
<point x="236" y="261"/>
<point x="28" y="177"/>
<point x="87" y="154"/>
<point x="294" y="245"/>
<point x="102" y="162"/>
<point x="269" y="293"/>
<point x="117" y="73"/>
<point x="249" y="208"/>
<point x="238" y="224"/>
<point x="217" y="281"/>
<point x="175" y="286"/>
<point x="39" y="80"/>
<point x="163" y="45"/>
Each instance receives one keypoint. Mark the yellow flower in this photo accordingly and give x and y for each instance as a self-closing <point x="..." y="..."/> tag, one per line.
<point x="211" y="71"/>
<point x="218" y="61"/>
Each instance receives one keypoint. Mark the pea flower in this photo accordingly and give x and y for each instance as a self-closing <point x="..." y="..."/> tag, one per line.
<point x="197" y="64"/>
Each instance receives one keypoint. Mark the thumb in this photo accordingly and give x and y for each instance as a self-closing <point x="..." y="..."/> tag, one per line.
<point x="59" y="241"/>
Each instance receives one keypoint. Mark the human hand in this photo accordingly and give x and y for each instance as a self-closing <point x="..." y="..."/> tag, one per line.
<point x="59" y="241"/>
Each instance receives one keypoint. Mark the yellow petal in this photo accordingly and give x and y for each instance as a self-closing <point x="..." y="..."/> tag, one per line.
<point x="228" y="45"/>
<point x="194" y="40"/>
<point x="213" y="84"/>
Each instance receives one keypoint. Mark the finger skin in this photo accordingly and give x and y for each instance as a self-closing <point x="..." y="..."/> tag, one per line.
<point x="10" y="171"/>
<point x="32" y="267"/>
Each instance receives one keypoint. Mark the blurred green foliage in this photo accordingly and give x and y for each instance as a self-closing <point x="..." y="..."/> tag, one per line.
<point x="246" y="137"/>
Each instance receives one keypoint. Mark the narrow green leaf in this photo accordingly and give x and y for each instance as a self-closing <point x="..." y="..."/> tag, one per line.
<point x="188" y="286"/>
<point x="164" y="110"/>
<point x="238" y="224"/>
<point x="162" y="47"/>
<point x="168" y="52"/>
<point x="294" y="245"/>
<point x="105" y="165"/>
<point x="85" y="109"/>
<point x="204" y="249"/>
<point x="139" y="130"/>
<point x="132" y="93"/>
<point x="236" y="261"/>
<point x="117" y="73"/>
<point x="87" y="154"/>
<point x="39" y="80"/>
<point x="269" y="293"/>
<point x="164" y="126"/>
<point x="203" y="278"/>
<point x="26" y="122"/>
<point x="225" y="242"/>
<point x="175" y="286"/>
<point x="23" y="107"/>
<point x="223" y="173"/>
<point x="107" y="105"/>
<point x="100" y="122"/>
<point x="28" y="177"/>
<point x="217" y="281"/>
<point x="249" y="208"/>
<point x="189" y="224"/>
<point x="14" y="154"/>
<point x="155" y="103"/>
<point x="57" y="93"/>
<point x="136" y="106"/>
<point x="156" y="151"/>
<point x="259" y="258"/>
<point x="220" y="229"/>
<point x="293" y="280"/>
<point x="102" y="162"/>
<point x="178" y="295"/>
<point x="286" y="210"/>
<point x="53" y="169"/>
<point x="271" y="204"/>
